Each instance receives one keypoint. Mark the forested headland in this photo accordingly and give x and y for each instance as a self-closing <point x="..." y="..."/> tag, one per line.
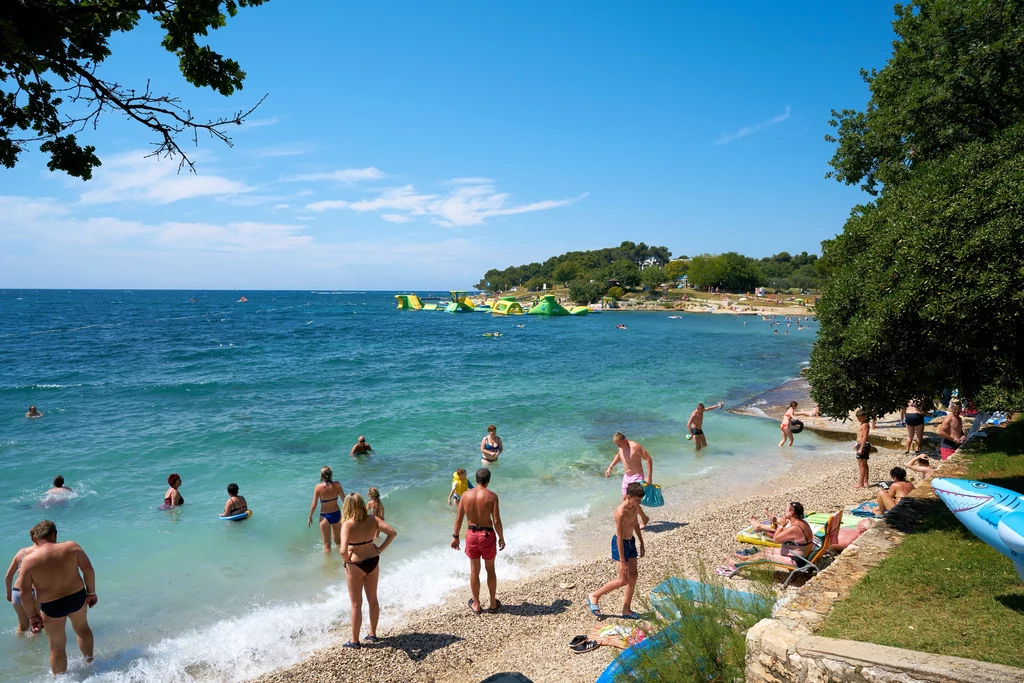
<point x="589" y="275"/>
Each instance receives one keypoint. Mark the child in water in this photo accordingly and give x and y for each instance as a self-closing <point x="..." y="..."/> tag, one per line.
<point x="375" y="507"/>
<point x="460" y="484"/>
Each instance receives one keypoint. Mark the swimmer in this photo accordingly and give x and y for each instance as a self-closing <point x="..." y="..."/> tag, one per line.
<point x="14" y="594"/>
<point x="696" y="424"/>
<point x="375" y="507"/>
<point x="460" y="484"/>
<point x="491" y="446"/>
<point x="327" y="493"/>
<point x="236" y="504"/>
<point x="33" y="413"/>
<point x="361" y="447"/>
<point x="59" y="489"/>
<point x="172" y="498"/>
<point x="620" y="327"/>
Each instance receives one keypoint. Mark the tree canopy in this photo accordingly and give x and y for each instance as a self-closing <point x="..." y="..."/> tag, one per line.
<point x="51" y="87"/>
<point x="926" y="281"/>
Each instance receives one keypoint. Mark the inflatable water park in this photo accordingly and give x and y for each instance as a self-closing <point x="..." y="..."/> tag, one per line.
<point x="461" y="302"/>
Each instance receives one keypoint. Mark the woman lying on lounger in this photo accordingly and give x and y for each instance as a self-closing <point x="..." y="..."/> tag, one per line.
<point x="795" y="535"/>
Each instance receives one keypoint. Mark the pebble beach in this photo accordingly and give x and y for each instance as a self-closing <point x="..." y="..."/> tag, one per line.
<point x="541" y="615"/>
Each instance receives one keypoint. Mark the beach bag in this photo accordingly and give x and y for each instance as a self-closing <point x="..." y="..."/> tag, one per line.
<point x="652" y="496"/>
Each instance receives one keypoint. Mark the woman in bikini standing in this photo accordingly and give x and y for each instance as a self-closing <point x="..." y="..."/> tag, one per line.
<point x="173" y="498"/>
<point x="359" y="530"/>
<point x="914" y="420"/>
<point x="491" y="446"/>
<point x="327" y="493"/>
<point x="787" y="433"/>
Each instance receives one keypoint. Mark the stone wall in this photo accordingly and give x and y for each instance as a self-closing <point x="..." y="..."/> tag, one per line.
<point x="784" y="649"/>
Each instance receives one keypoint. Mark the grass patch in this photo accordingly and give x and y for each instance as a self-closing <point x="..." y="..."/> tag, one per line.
<point x="943" y="590"/>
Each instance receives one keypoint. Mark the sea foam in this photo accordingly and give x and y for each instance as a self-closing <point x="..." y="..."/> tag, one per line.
<point x="267" y="637"/>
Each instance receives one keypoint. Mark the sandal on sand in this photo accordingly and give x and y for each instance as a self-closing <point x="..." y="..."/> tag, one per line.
<point x="726" y="571"/>
<point x="495" y="609"/>
<point x="354" y="646"/>
<point x="474" y="611"/>
<point x="586" y="646"/>
<point x="371" y="639"/>
<point x="595" y="609"/>
<point x="577" y="640"/>
<point x="631" y="615"/>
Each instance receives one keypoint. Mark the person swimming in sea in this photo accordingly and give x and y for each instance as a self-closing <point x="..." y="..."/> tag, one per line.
<point x="327" y="493"/>
<point x="172" y="498"/>
<point x="491" y="446"/>
<point x="59" y="489"/>
<point x="236" y="504"/>
<point x="33" y="413"/>
<point x="361" y="447"/>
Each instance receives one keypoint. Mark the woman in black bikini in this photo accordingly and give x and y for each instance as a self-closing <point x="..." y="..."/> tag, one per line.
<point x="236" y="504"/>
<point x="172" y="498"/>
<point x="795" y="535"/>
<point x="327" y="493"/>
<point x="358" y="532"/>
<point x="914" y="420"/>
<point x="491" y="446"/>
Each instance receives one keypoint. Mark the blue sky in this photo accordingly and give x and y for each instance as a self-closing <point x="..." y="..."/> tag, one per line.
<point x="409" y="145"/>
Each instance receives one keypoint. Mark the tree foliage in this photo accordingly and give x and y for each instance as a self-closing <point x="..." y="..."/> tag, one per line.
<point x="585" y="291"/>
<point x="730" y="271"/>
<point x="954" y="78"/>
<point x="653" y="277"/>
<point x="926" y="289"/>
<point x="51" y="87"/>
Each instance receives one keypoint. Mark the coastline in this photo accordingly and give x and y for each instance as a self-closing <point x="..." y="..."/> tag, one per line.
<point x="543" y="612"/>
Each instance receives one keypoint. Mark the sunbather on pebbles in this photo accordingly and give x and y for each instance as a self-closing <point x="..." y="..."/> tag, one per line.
<point x="795" y="535"/>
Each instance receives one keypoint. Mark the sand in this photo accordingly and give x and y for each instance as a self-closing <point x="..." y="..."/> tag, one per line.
<point x="542" y="614"/>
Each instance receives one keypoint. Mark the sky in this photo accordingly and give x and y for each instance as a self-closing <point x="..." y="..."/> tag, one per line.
<point x="412" y="145"/>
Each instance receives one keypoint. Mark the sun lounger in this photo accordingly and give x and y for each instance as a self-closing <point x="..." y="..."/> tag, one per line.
<point x="816" y="520"/>
<point x="805" y="566"/>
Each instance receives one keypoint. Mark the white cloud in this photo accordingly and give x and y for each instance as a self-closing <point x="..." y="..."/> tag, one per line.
<point x="469" y="181"/>
<point x="345" y="175"/>
<point x="468" y="203"/>
<point x="134" y="178"/>
<point x="280" y="206"/>
<point x="726" y="138"/>
<point x="16" y="209"/>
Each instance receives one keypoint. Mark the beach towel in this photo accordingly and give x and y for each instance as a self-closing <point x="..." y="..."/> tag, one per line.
<point x="865" y="509"/>
<point x="618" y="636"/>
<point x="652" y="496"/>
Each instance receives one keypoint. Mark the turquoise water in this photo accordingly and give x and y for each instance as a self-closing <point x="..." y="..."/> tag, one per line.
<point x="136" y="385"/>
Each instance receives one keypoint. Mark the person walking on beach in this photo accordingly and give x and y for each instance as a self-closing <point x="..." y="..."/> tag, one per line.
<point x="480" y="508"/>
<point x="327" y="493"/>
<point x="863" y="449"/>
<point x="951" y="431"/>
<point x="696" y="424"/>
<point x="361" y="447"/>
<point x="172" y="498"/>
<point x="632" y="456"/>
<point x="491" y="446"/>
<point x="625" y="553"/>
<point x="33" y="413"/>
<point x="65" y="586"/>
<point x="787" y="419"/>
<point x="13" y="593"/>
<point x="359" y="530"/>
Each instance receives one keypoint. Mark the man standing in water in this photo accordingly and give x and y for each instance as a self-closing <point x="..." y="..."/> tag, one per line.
<point x="361" y="447"/>
<point x="632" y="456"/>
<point x="624" y="552"/>
<point x="61" y="591"/>
<point x="696" y="424"/>
<point x="480" y="506"/>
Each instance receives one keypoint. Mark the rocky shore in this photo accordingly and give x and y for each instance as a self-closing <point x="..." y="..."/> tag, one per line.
<point x="540" y="615"/>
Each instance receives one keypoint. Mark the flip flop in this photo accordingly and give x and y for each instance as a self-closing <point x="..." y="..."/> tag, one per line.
<point x="631" y="615"/>
<point x="496" y="608"/>
<point x="586" y="646"/>
<point x="595" y="609"/>
<point x="354" y="646"/>
<point x="371" y="639"/>
<point x="577" y="640"/>
<point x="474" y="611"/>
<point x="725" y="570"/>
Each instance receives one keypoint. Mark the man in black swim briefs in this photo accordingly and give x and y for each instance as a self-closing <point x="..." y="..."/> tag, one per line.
<point x="65" y="583"/>
<point x="696" y="424"/>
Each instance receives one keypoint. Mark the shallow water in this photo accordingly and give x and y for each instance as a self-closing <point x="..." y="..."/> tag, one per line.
<point x="136" y="385"/>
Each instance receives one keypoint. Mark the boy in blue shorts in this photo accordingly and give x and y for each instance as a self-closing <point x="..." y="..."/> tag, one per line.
<point x="625" y="552"/>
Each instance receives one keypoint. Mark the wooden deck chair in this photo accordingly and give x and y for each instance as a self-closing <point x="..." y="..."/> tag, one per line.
<point x="805" y="566"/>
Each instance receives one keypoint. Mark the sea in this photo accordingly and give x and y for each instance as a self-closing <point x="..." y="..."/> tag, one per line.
<point x="135" y="385"/>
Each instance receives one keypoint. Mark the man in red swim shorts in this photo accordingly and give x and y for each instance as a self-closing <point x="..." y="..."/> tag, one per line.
<point x="483" y="539"/>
